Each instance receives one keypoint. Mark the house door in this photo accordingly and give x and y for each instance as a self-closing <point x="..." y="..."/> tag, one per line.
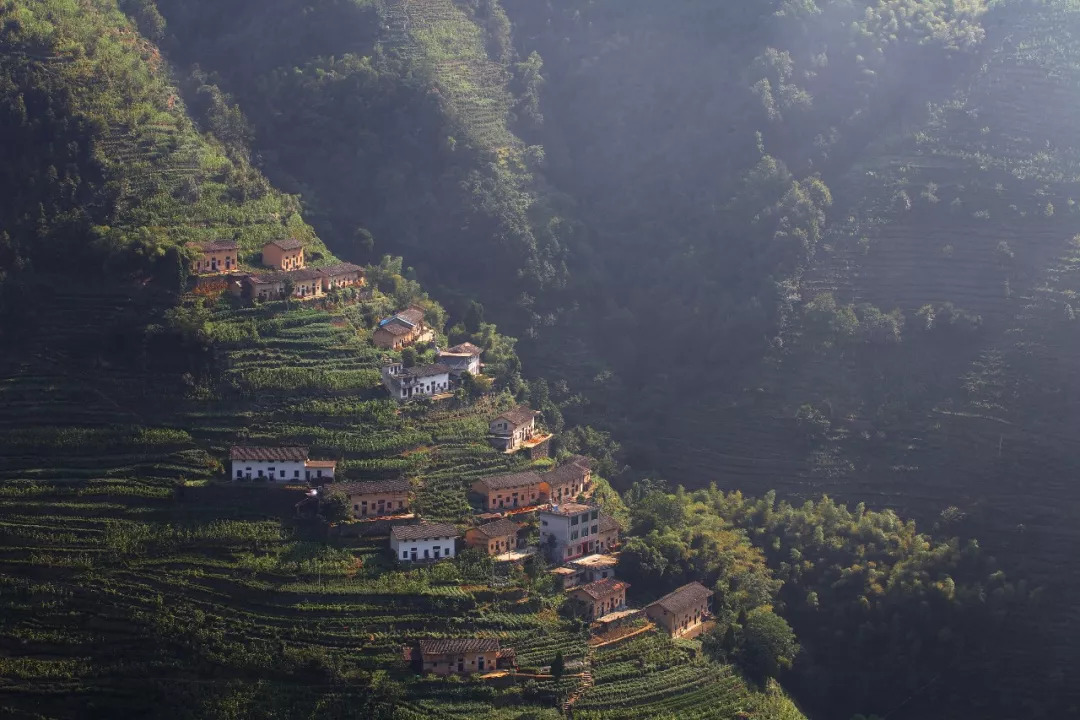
<point x="412" y="555"/>
<point x="213" y="264"/>
<point x="461" y="664"/>
<point x="480" y="663"/>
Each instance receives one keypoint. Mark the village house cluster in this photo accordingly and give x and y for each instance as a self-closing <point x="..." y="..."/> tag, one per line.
<point x="549" y="513"/>
<point x="288" y="273"/>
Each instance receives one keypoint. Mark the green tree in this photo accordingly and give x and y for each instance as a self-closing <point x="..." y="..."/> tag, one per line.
<point x="558" y="665"/>
<point x="768" y="644"/>
<point x="408" y="357"/>
<point x="335" y="507"/>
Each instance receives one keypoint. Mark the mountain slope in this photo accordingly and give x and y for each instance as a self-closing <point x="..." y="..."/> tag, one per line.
<point x="134" y="581"/>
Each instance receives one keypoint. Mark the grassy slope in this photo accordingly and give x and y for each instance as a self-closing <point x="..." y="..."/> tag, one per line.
<point x="132" y="582"/>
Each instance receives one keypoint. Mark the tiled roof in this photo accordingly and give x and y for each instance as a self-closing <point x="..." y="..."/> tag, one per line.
<point x="569" y="508"/>
<point x="216" y="245"/>
<point x="423" y="371"/>
<point x="580" y="461"/>
<point x="268" y="454"/>
<point x="423" y="531"/>
<point x="340" y="269"/>
<point x="609" y="523"/>
<point x="566" y="474"/>
<point x="370" y="487"/>
<point x="304" y="274"/>
<point x="685" y="597"/>
<point x="287" y="243"/>
<point x="413" y="315"/>
<point x="505" y="482"/>
<point x="603" y="588"/>
<point x="457" y="646"/>
<point x="518" y="416"/>
<point x="265" y="278"/>
<point x="395" y="329"/>
<point x="499" y="528"/>
<point x="463" y="349"/>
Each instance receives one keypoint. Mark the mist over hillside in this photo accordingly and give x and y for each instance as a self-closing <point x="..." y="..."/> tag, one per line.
<point x="742" y="255"/>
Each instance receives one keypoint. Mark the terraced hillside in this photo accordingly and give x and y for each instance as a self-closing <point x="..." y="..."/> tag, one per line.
<point x="473" y="85"/>
<point x="137" y="577"/>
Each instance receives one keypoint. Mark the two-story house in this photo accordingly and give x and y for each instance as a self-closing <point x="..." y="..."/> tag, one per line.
<point x="682" y="611"/>
<point x="416" y="382"/>
<point x="599" y="598"/>
<point x="278" y="465"/>
<point x="568" y="530"/>
<point x="501" y="492"/>
<point x="426" y="541"/>
<point x="512" y="429"/>
<point x="216" y="256"/>
<point x="570" y="480"/>
<point x="284" y="254"/>
<point x="462" y="358"/>
<point x="402" y="330"/>
<point x="341" y="275"/>
<point x="494" y="538"/>
<point x="374" y="498"/>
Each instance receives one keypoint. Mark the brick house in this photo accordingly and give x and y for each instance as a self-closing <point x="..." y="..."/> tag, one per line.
<point x="271" y="285"/>
<point x="569" y="480"/>
<point x="374" y="498"/>
<point x="600" y="597"/>
<point x="215" y="256"/>
<point x="460" y="656"/>
<point x="402" y="330"/>
<point x="513" y="428"/>
<point x="495" y="538"/>
<point x="511" y="491"/>
<point x="341" y="275"/>
<point x="607" y="539"/>
<point x="286" y="254"/>
<point x="682" y="611"/>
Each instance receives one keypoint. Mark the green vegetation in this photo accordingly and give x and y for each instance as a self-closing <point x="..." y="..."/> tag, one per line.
<point x="818" y="246"/>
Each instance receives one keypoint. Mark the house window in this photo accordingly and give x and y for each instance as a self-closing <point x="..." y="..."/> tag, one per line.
<point x="595" y="528"/>
<point x="544" y="523"/>
<point x="296" y="473"/>
<point x="574" y="520"/>
<point x="355" y="507"/>
<point x="400" y="504"/>
<point x="574" y="535"/>
<point x="595" y="514"/>
<point x="404" y="554"/>
<point x="282" y="473"/>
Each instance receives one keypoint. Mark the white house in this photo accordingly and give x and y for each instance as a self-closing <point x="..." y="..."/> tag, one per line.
<point x="278" y="465"/>
<point x="513" y="428"/>
<point x="426" y="541"/>
<point x="462" y="358"/>
<point x="416" y="382"/>
<point x="568" y="530"/>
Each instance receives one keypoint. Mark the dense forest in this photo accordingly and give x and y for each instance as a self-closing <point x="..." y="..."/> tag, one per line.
<point x="762" y="250"/>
